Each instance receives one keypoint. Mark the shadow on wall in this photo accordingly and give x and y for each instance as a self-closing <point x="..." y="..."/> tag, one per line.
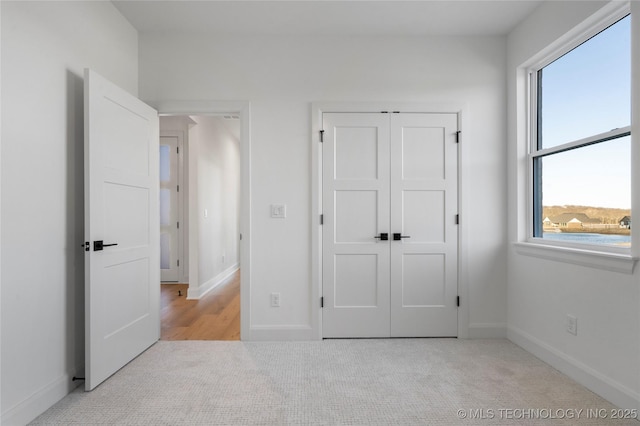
<point x="75" y="224"/>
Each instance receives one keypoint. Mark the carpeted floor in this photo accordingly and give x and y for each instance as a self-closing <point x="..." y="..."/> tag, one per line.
<point x="335" y="382"/>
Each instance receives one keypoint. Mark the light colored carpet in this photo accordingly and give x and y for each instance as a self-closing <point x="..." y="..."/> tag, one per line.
<point x="333" y="382"/>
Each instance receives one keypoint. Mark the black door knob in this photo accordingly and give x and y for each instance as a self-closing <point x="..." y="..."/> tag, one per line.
<point x="383" y="236"/>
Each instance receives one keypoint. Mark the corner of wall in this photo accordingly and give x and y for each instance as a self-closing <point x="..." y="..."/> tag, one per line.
<point x="597" y="382"/>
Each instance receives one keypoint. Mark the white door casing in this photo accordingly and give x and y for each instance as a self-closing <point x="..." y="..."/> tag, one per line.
<point x="169" y="208"/>
<point x="122" y="291"/>
<point x="399" y="173"/>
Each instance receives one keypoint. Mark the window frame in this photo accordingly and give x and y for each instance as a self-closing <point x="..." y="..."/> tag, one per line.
<point x="533" y="244"/>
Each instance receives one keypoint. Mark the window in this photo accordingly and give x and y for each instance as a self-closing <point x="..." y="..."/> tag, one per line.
<point x="580" y="154"/>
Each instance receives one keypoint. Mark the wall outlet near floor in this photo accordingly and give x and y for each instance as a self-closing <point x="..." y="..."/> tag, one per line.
<point x="572" y="325"/>
<point x="279" y="210"/>
<point x="275" y="300"/>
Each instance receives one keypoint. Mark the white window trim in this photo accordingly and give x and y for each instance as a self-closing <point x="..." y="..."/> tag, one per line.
<point x="583" y="256"/>
<point x="596" y="256"/>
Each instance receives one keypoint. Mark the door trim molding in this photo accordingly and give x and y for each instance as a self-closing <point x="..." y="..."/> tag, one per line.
<point x="317" y="109"/>
<point x="243" y="108"/>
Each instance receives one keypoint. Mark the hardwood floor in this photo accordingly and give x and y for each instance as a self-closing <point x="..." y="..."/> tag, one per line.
<point x="216" y="316"/>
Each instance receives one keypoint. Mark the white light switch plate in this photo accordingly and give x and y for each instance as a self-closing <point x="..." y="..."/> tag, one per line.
<point x="279" y="210"/>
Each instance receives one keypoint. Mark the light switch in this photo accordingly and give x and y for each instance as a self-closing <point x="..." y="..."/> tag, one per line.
<point x="279" y="210"/>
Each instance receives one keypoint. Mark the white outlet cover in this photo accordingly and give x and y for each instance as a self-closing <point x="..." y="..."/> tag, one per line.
<point x="572" y="325"/>
<point x="275" y="300"/>
<point x="279" y="211"/>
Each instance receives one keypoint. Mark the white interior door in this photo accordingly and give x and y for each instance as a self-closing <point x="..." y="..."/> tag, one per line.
<point x="169" y="221"/>
<point x="424" y="205"/>
<point x="394" y="174"/>
<point x="122" y="291"/>
<point x="356" y="205"/>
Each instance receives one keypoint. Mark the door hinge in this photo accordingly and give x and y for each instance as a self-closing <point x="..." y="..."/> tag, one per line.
<point x="321" y="219"/>
<point x="457" y="300"/>
<point x="178" y="261"/>
<point x="240" y="237"/>
<point x="321" y="135"/>
<point x="178" y="224"/>
<point x="178" y="188"/>
<point x="177" y="150"/>
<point x="457" y="219"/>
<point x="322" y="302"/>
<point x="458" y="136"/>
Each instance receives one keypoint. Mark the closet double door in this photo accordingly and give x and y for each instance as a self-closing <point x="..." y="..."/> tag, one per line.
<point x="389" y="234"/>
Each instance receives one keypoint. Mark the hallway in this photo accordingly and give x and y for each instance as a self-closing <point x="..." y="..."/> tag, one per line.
<point x="214" y="317"/>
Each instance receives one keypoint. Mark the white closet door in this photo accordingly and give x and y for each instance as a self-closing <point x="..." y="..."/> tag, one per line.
<point x="356" y="211"/>
<point x="424" y="204"/>
<point x="395" y="174"/>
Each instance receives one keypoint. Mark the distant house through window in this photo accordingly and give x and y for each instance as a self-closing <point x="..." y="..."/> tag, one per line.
<point x="580" y="155"/>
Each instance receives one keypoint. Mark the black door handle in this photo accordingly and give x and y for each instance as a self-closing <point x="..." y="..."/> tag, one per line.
<point x="398" y="236"/>
<point x="383" y="236"/>
<point x="99" y="245"/>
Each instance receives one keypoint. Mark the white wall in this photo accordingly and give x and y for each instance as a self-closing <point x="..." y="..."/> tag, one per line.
<point x="45" y="46"/>
<point x="281" y="76"/>
<point x="214" y="164"/>
<point x="605" y="355"/>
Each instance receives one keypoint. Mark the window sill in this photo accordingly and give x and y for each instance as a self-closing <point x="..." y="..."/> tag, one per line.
<point x="614" y="262"/>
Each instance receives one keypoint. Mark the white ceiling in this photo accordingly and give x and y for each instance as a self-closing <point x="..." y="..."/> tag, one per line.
<point x="328" y="17"/>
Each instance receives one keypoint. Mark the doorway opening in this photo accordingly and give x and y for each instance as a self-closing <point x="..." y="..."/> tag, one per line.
<point x="200" y="215"/>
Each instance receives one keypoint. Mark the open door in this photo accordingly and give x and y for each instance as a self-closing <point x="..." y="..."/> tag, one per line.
<point x="122" y="249"/>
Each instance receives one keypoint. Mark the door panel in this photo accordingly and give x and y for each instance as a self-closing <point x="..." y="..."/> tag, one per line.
<point x="391" y="173"/>
<point x="356" y="218"/>
<point x="356" y="280"/>
<point x="356" y="152"/>
<point x="424" y="204"/>
<point x="122" y="292"/>
<point x="126" y="226"/>
<point x="422" y="153"/>
<point x="423" y="280"/>
<point x="423" y="216"/>
<point x="356" y="199"/>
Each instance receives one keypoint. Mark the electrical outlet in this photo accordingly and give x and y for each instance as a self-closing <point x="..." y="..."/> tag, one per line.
<point x="279" y="210"/>
<point x="275" y="300"/>
<point x="572" y="325"/>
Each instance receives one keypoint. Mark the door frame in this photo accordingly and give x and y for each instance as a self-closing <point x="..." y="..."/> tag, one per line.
<point x="317" y="109"/>
<point x="243" y="109"/>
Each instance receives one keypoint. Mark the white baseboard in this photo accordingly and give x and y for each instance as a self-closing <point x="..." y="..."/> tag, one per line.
<point x="609" y="389"/>
<point x="200" y="291"/>
<point x="268" y="333"/>
<point x="487" y="331"/>
<point x="40" y="401"/>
